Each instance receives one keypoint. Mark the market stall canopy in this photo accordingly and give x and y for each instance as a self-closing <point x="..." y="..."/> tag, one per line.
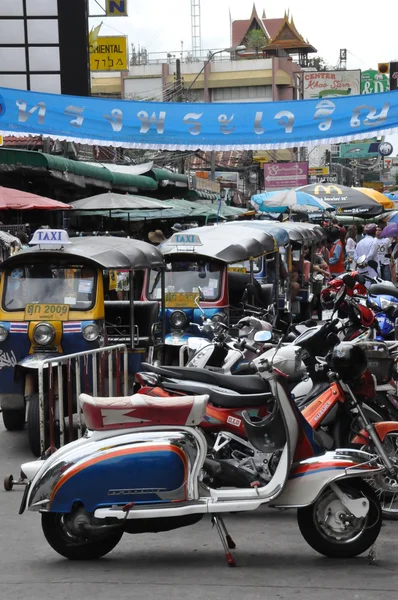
<point x="382" y="199"/>
<point x="112" y="201"/>
<point x="181" y="126"/>
<point x="226" y="244"/>
<point x="104" y="252"/>
<point x="11" y="199"/>
<point x="289" y="200"/>
<point x="348" y="201"/>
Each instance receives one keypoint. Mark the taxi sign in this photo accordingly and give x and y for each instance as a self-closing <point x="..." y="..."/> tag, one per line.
<point x="52" y="239"/>
<point x="185" y="239"/>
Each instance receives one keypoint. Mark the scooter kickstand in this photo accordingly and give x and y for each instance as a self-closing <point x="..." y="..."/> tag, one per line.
<point x="230" y="541"/>
<point x="225" y="539"/>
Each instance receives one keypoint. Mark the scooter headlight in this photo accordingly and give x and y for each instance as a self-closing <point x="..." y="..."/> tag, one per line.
<point x="220" y="318"/>
<point x="178" y="319"/>
<point x="3" y="333"/>
<point x="91" y="332"/>
<point x="44" y="334"/>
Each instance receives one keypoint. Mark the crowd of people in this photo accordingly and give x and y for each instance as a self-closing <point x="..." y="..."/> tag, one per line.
<point x="360" y="248"/>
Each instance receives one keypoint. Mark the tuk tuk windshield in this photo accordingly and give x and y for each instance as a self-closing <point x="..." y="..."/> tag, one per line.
<point x="188" y="277"/>
<point x="49" y="284"/>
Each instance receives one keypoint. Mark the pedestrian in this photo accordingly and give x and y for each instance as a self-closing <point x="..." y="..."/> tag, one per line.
<point x="350" y="245"/>
<point x="336" y="251"/>
<point x="384" y="247"/>
<point x="156" y="237"/>
<point x="360" y="234"/>
<point x="23" y="238"/>
<point x="367" y="250"/>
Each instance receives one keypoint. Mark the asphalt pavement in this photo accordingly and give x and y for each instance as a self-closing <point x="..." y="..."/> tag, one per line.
<point x="274" y="562"/>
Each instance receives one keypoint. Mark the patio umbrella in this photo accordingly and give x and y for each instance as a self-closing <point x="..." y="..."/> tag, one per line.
<point x="11" y="199"/>
<point x="348" y="201"/>
<point x="391" y="217"/>
<point x="112" y="201"/>
<point x="391" y="230"/>
<point x="289" y="200"/>
<point x="382" y="199"/>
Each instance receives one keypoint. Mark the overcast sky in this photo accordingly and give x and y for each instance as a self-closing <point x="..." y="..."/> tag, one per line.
<point x="366" y="28"/>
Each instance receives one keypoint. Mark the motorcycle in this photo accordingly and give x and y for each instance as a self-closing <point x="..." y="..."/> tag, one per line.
<point x="140" y="468"/>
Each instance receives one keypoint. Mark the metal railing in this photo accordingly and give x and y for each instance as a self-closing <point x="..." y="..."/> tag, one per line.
<point x="103" y="372"/>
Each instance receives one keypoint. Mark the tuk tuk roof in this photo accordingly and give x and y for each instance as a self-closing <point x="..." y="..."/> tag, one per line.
<point x="104" y="252"/>
<point x="227" y="244"/>
<point x="281" y="235"/>
<point x="298" y="234"/>
<point x="317" y="231"/>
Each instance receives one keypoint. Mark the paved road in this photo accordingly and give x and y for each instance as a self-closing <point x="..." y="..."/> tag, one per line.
<point x="274" y="561"/>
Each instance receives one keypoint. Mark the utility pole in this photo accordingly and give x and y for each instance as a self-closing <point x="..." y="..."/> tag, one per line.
<point x="179" y="98"/>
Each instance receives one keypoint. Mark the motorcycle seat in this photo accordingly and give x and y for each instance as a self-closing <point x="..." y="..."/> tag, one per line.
<point x="142" y="411"/>
<point x="243" y="384"/>
<point x="379" y="289"/>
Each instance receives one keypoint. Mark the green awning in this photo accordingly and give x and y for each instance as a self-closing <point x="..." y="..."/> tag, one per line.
<point x="165" y="177"/>
<point x="202" y="195"/>
<point x="73" y="171"/>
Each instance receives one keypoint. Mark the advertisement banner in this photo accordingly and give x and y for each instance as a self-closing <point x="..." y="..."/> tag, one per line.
<point x="359" y="150"/>
<point x="374" y="185"/>
<point x="318" y="171"/>
<point x="116" y="8"/>
<point x="285" y="175"/>
<point x="394" y="76"/>
<point x="331" y="84"/>
<point x="373" y="82"/>
<point x="191" y="126"/>
<point x="110" y="54"/>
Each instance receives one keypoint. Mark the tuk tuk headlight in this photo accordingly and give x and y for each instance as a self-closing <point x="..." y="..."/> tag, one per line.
<point x="178" y="319"/>
<point x="44" y="334"/>
<point x="91" y="332"/>
<point x="3" y="333"/>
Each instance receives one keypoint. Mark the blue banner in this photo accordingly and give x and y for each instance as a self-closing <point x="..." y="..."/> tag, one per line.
<point x="184" y="126"/>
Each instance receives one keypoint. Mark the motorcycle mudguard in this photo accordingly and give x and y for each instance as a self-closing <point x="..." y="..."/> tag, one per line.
<point x="147" y="467"/>
<point x="382" y="429"/>
<point x="308" y="478"/>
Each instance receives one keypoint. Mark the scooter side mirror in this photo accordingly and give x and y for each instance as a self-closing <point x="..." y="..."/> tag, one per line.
<point x="360" y="279"/>
<point x="361" y="262"/>
<point x="263" y="336"/>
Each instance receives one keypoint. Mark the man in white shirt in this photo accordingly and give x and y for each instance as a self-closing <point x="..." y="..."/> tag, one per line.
<point x="367" y="247"/>
<point x="383" y="255"/>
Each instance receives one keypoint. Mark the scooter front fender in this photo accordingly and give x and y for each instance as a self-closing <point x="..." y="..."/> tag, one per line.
<point x="382" y="428"/>
<point x="308" y="478"/>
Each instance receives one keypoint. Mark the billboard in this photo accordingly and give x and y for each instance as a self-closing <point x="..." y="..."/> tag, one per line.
<point x="359" y="150"/>
<point x="373" y="82"/>
<point x="116" y="8"/>
<point x="285" y="175"/>
<point x="110" y="54"/>
<point x="331" y="84"/>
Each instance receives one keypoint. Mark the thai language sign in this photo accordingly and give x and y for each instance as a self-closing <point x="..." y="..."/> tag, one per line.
<point x="279" y="175"/>
<point x="185" y="126"/>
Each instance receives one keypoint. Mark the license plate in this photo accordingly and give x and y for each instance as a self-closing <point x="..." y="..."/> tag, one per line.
<point x="46" y="312"/>
<point x="181" y="300"/>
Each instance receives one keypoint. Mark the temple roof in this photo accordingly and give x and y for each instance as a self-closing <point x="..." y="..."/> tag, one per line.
<point x="280" y="33"/>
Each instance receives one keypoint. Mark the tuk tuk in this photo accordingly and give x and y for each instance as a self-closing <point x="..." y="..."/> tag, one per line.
<point x="208" y="272"/>
<point x="303" y="241"/>
<point x="268" y="269"/>
<point x="63" y="296"/>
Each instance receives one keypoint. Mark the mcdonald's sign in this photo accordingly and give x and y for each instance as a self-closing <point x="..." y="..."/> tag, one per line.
<point x="327" y="190"/>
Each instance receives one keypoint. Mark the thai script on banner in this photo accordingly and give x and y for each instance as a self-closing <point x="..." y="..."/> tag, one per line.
<point x="175" y="126"/>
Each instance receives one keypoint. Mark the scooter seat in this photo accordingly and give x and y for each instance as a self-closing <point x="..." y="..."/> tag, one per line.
<point x="379" y="289"/>
<point x="243" y="384"/>
<point x="142" y="411"/>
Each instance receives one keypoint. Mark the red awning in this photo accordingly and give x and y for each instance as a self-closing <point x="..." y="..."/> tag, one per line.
<point x="11" y="199"/>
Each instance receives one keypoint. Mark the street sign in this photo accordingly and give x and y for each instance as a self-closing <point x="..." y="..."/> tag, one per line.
<point x="318" y="171"/>
<point x="116" y="8"/>
<point x="110" y="54"/>
<point x="324" y="178"/>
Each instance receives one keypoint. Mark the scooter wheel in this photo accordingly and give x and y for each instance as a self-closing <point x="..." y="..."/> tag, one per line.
<point x="324" y="528"/>
<point x="57" y="534"/>
<point x="8" y="483"/>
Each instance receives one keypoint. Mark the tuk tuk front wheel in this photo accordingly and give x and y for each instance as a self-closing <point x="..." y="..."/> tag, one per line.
<point x="33" y="425"/>
<point x="14" y="420"/>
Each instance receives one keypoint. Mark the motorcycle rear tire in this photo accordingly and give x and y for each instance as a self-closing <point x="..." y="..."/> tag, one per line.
<point x="329" y="546"/>
<point x="74" y="549"/>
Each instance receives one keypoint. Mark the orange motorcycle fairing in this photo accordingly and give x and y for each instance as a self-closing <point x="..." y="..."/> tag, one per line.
<point x="315" y="412"/>
<point x="382" y="429"/>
